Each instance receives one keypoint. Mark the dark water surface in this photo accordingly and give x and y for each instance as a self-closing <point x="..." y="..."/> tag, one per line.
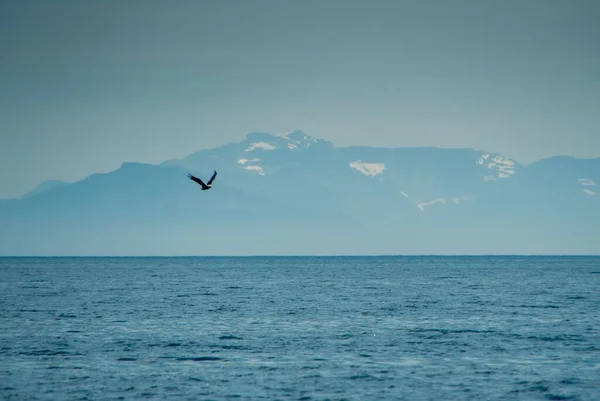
<point x="300" y="328"/>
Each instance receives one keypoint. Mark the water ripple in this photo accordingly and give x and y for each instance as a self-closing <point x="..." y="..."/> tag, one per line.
<point x="378" y="328"/>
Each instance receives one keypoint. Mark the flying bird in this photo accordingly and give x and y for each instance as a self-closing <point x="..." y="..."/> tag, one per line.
<point x="203" y="185"/>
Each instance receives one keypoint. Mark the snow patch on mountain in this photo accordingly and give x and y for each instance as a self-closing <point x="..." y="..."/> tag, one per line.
<point x="298" y="139"/>
<point x="503" y="166"/>
<point x="260" y="145"/>
<point x="244" y="161"/>
<point x="444" y="201"/>
<point x="258" y="169"/>
<point x="586" y="182"/>
<point x="423" y="205"/>
<point x="371" y="169"/>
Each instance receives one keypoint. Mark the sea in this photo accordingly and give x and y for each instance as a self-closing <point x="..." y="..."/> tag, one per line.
<point x="300" y="328"/>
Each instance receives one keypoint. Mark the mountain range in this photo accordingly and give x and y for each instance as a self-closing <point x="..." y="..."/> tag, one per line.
<point x="295" y="194"/>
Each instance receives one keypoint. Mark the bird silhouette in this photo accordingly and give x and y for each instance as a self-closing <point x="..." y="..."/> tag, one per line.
<point x="204" y="186"/>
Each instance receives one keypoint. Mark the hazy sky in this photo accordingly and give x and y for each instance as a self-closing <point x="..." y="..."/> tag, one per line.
<point x="85" y="85"/>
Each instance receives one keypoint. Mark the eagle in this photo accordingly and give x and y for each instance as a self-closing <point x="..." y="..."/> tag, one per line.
<point x="199" y="181"/>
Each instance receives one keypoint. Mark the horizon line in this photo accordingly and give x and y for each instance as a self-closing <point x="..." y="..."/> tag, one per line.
<point x="305" y="255"/>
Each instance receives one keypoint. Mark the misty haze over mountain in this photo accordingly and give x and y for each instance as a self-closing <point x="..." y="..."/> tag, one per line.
<point x="296" y="194"/>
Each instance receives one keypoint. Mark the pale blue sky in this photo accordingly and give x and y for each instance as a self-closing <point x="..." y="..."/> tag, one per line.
<point x="85" y="85"/>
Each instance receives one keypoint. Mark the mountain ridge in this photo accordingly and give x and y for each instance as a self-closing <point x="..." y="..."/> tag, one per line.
<point x="319" y="197"/>
<point x="262" y="136"/>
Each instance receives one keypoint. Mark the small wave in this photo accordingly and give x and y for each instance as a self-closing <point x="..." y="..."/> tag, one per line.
<point x="236" y="347"/>
<point x="539" y="387"/>
<point x="67" y="316"/>
<point x="570" y="381"/>
<point x="557" y="338"/>
<point x="364" y="376"/>
<point x="536" y="306"/>
<point x="230" y="337"/>
<point x="200" y="358"/>
<point x="448" y="331"/>
<point x="407" y="362"/>
<point x="559" y="397"/>
<point x="224" y="308"/>
<point x="532" y="362"/>
<point x="48" y="352"/>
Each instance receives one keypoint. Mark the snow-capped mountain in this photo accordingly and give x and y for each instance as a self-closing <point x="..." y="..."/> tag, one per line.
<point x="296" y="194"/>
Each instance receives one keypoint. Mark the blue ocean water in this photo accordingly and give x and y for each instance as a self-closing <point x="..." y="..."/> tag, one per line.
<point x="300" y="328"/>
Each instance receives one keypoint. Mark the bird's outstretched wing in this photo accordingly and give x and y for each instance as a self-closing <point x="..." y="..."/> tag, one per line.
<point x="197" y="180"/>
<point x="212" y="178"/>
